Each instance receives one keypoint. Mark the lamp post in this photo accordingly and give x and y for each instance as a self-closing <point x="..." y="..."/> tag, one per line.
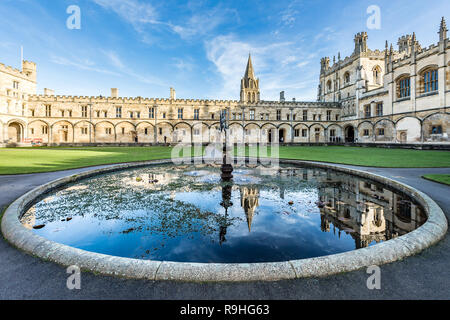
<point x="226" y="167"/>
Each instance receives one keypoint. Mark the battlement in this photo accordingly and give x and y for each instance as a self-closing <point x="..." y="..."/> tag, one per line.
<point x="125" y="100"/>
<point x="18" y="73"/>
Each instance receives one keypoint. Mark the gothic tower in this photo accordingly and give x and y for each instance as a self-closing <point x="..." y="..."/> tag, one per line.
<point x="249" y="84"/>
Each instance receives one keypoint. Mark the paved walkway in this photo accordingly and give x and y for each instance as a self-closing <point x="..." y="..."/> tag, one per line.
<point x="424" y="276"/>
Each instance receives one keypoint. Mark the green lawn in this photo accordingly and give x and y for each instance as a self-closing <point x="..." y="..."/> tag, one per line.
<point x="44" y="159"/>
<point x="441" y="178"/>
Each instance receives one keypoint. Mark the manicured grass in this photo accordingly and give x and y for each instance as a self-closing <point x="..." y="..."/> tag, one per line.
<point x="441" y="178"/>
<point x="30" y="160"/>
<point x="373" y="157"/>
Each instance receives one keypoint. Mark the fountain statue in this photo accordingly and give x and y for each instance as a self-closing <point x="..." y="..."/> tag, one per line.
<point x="226" y="167"/>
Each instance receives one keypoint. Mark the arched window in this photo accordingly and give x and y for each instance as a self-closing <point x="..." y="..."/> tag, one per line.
<point x="329" y="85"/>
<point x="249" y="97"/>
<point x="377" y="75"/>
<point x="428" y="80"/>
<point x="347" y="78"/>
<point x="403" y="87"/>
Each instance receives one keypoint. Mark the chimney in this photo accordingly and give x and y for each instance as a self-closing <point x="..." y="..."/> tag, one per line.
<point x="49" y="92"/>
<point x="282" y="96"/>
<point x="173" y="95"/>
<point x="114" y="93"/>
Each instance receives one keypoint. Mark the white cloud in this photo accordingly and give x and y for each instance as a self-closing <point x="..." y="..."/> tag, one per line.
<point x="80" y="64"/>
<point x="135" y="12"/>
<point x="141" y="14"/>
<point x="275" y="63"/>
<point x="183" y="65"/>
<point x="115" y="61"/>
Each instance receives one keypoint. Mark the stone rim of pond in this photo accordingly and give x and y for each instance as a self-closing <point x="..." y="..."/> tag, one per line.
<point x="433" y="230"/>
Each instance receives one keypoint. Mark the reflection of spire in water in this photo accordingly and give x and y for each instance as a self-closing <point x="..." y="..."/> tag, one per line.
<point x="226" y="203"/>
<point x="249" y="202"/>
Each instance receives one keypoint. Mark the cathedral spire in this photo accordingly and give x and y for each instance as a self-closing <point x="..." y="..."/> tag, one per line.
<point x="249" y="84"/>
<point x="249" y="73"/>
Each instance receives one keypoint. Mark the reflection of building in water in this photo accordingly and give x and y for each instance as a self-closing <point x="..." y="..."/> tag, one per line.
<point x="249" y="202"/>
<point x="29" y="218"/>
<point x="366" y="211"/>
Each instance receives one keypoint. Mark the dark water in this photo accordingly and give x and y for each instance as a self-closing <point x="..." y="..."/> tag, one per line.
<point x="186" y="214"/>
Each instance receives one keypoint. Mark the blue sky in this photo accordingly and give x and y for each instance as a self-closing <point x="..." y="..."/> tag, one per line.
<point x="199" y="47"/>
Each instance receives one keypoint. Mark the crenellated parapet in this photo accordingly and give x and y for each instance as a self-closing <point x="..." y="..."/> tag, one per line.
<point x="126" y="100"/>
<point x="28" y="73"/>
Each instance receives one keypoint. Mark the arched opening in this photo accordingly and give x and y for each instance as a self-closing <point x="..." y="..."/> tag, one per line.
<point x="269" y="136"/>
<point x="349" y="134"/>
<point x="282" y="135"/>
<point x="15" y="132"/>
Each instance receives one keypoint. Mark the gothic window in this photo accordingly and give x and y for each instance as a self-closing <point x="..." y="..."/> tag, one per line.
<point x="305" y="115"/>
<point x="108" y="130"/>
<point x="252" y="114"/>
<point x="48" y="110"/>
<point x="328" y="115"/>
<point x="296" y="133"/>
<point x="196" y="114"/>
<point x="84" y="111"/>
<point x="329" y="85"/>
<point x="430" y="81"/>
<point x="403" y="87"/>
<point x="379" y="109"/>
<point x="436" y="130"/>
<point x="304" y="133"/>
<point x="180" y="113"/>
<point x="366" y="132"/>
<point x="377" y="75"/>
<point x="381" y="131"/>
<point x="332" y="132"/>
<point x="367" y="111"/>
<point x="118" y="112"/>
<point x="347" y="78"/>
<point x="278" y="114"/>
<point x="151" y="113"/>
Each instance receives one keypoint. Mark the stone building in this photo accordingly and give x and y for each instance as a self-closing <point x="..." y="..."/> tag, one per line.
<point x="390" y="95"/>
<point x="371" y="97"/>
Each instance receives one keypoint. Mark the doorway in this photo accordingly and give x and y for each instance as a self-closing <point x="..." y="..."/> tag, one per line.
<point x="281" y="135"/>
<point x="349" y="134"/>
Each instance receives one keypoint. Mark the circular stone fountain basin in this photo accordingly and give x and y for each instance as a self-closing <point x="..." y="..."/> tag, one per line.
<point x="160" y="221"/>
